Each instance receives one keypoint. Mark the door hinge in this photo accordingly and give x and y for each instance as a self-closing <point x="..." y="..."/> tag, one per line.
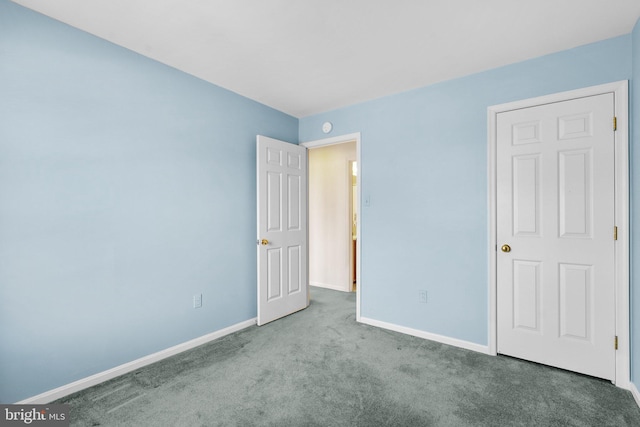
<point x="615" y="233"/>
<point x="615" y="123"/>
<point x="616" y="342"/>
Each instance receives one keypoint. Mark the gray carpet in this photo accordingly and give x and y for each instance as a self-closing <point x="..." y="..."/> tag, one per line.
<point x="319" y="367"/>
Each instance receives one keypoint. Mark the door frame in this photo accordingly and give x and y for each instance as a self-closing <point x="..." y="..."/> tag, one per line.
<point x="334" y="141"/>
<point x="620" y="90"/>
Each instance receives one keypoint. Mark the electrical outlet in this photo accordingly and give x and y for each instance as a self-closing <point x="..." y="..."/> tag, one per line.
<point x="197" y="301"/>
<point x="422" y="296"/>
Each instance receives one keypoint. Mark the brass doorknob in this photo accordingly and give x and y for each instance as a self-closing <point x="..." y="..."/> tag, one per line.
<point x="506" y="248"/>
<point x="264" y="242"/>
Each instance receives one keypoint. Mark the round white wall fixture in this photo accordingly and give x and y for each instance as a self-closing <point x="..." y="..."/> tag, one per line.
<point x="326" y="127"/>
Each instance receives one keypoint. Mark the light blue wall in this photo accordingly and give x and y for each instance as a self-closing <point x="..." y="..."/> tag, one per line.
<point x="125" y="188"/>
<point x="424" y="167"/>
<point x="635" y="208"/>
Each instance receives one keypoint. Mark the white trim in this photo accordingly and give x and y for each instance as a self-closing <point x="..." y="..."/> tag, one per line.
<point x="621" y="93"/>
<point x="467" y="345"/>
<point x="65" y="390"/>
<point x="493" y="239"/>
<point x="329" y="286"/>
<point x="622" y="252"/>
<point x="332" y="141"/>
<point x="635" y="393"/>
<point x="340" y="140"/>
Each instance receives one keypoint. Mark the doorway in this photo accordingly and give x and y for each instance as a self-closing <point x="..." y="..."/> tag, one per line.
<point x="334" y="220"/>
<point x="331" y="231"/>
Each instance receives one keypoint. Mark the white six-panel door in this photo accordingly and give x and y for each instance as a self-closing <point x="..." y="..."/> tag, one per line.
<point x="555" y="235"/>
<point x="282" y="228"/>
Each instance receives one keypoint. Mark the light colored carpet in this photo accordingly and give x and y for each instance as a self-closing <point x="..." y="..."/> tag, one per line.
<point x="319" y="367"/>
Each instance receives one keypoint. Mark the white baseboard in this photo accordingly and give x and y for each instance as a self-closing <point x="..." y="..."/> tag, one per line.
<point x="634" y="392"/>
<point x="427" y="335"/>
<point x="329" y="286"/>
<point x="65" y="390"/>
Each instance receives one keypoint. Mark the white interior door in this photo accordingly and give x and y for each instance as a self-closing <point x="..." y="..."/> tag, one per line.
<point x="282" y="228"/>
<point x="555" y="234"/>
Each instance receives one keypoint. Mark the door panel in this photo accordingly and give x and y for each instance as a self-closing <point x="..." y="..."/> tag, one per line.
<point x="274" y="274"/>
<point x="295" y="270"/>
<point x="526" y="195"/>
<point x="282" y="231"/>
<point x="294" y="203"/>
<point x="274" y="186"/>
<point x="575" y="301"/>
<point x="574" y="191"/>
<point x="555" y="209"/>
<point x="526" y="295"/>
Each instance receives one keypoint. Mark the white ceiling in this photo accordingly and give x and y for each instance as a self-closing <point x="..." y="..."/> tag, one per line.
<point x="308" y="56"/>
